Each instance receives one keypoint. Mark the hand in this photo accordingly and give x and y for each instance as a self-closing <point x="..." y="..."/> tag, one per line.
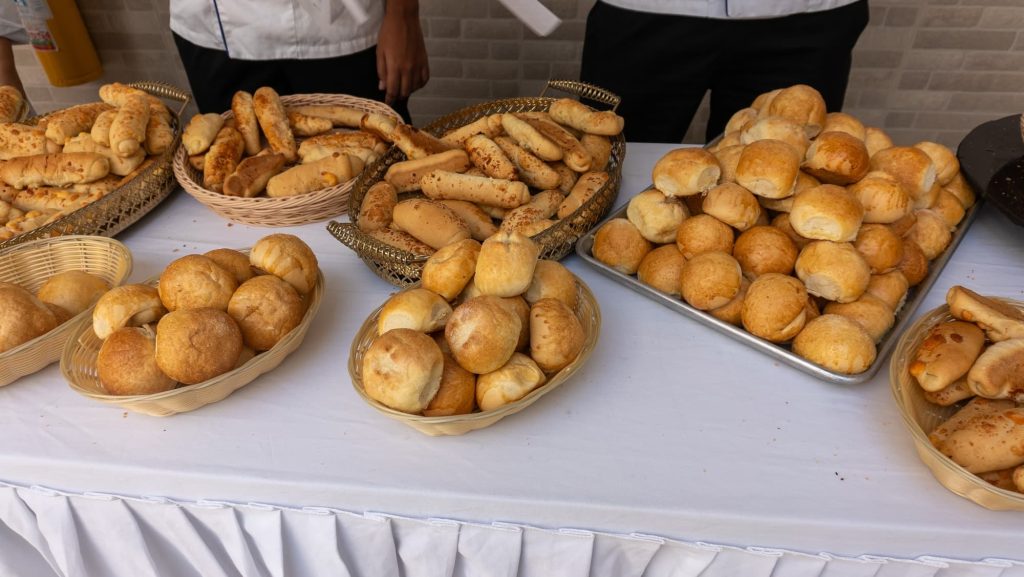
<point x="401" y="53"/>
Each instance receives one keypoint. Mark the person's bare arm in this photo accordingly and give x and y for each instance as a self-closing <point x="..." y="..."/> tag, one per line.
<point x="401" y="52"/>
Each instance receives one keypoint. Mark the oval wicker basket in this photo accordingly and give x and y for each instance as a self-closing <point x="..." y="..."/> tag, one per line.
<point x="132" y="200"/>
<point x="78" y="365"/>
<point x="587" y="312"/>
<point x="286" y="211"/>
<point x="402" y="268"/>
<point x="30" y="264"/>
<point x="921" y="417"/>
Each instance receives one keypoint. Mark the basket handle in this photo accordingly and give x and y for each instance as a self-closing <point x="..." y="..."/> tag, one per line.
<point x="584" y="90"/>
<point x="345" y="232"/>
<point x="164" y="90"/>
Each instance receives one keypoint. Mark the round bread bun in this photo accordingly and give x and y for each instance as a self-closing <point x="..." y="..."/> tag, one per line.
<point x="711" y="280"/>
<point x="902" y="226"/>
<point x="826" y="212"/>
<point x="245" y="356"/>
<point x="506" y="263"/>
<point x="963" y="192"/>
<point x="728" y="139"/>
<point x="196" y="282"/>
<point x="949" y="208"/>
<point x="456" y="394"/>
<point x="739" y="119"/>
<point x="912" y="167"/>
<point x="552" y="280"/>
<point x="930" y="232"/>
<point x="60" y="313"/>
<point x="765" y="249"/>
<point x="287" y="257"/>
<point x="402" y="369"/>
<point x="781" y="222"/>
<point x="880" y="247"/>
<point x="732" y="311"/>
<point x="946" y="164"/>
<point x="728" y="159"/>
<point x="890" y="288"/>
<point x="448" y="270"/>
<point x="266" y="309"/>
<point x="620" y="245"/>
<point x="803" y="105"/>
<point x="232" y="261"/>
<point x="509" y="383"/>
<point x="777" y="204"/>
<point x="928" y="199"/>
<point x="418" y="309"/>
<point x="833" y="270"/>
<point x="23" y="317"/>
<point x="763" y="101"/>
<point x="883" y="198"/>
<point x="703" y="233"/>
<point x="430" y="222"/>
<point x="662" y="269"/>
<point x="686" y="171"/>
<point x="776" y="128"/>
<point x="876" y="139"/>
<point x="914" y="264"/>
<point x="768" y="168"/>
<point x="129" y="305"/>
<point x="836" y="343"/>
<point x="483" y="333"/>
<point x="518" y="306"/>
<point x="126" y="363"/>
<point x="843" y="122"/>
<point x="813" y="309"/>
<point x="556" y="335"/>
<point x="73" y="290"/>
<point x="837" y="158"/>
<point x="195" y="345"/>
<point x="805" y="181"/>
<point x="731" y="204"/>
<point x="656" y="216"/>
<point x="873" y="315"/>
<point x="775" y="307"/>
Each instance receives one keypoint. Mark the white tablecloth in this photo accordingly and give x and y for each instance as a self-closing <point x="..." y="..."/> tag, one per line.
<point x="674" y="451"/>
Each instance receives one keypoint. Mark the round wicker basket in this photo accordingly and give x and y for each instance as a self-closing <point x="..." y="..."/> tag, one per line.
<point x="78" y="365"/>
<point x="921" y="417"/>
<point x="30" y="264"/>
<point x="586" y="310"/>
<point x="287" y="211"/>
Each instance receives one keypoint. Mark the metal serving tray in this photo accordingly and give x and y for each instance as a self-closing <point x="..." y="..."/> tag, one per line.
<point x="903" y="317"/>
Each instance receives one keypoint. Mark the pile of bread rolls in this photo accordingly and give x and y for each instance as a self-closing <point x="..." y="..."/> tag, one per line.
<point x="272" y="149"/>
<point x="489" y="323"/>
<point x="209" y="314"/>
<point x="78" y="155"/>
<point x="978" y="356"/>
<point x="25" y="316"/>
<point x="804" y="227"/>
<point x="514" y="172"/>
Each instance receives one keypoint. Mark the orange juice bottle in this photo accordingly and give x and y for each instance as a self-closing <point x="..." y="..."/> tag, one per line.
<point x="61" y="42"/>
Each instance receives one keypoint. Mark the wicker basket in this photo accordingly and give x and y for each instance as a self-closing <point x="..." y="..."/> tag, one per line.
<point x="287" y="211"/>
<point x="78" y="364"/>
<point x="128" y="203"/>
<point x="586" y="310"/>
<point x="921" y="417"/>
<point x="30" y="264"/>
<point x="402" y="268"/>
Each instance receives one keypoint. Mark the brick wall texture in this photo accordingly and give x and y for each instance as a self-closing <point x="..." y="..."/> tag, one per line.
<point x="923" y="69"/>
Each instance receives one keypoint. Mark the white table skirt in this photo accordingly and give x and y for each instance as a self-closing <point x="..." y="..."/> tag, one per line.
<point x="670" y="438"/>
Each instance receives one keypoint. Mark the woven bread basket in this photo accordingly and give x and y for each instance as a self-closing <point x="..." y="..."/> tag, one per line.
<point x="921" y="417"/>
<point x="286" y="211"/>
<point x="30" y="264"/>
<point x="78" y="365"/>
<point x="587" y="312"/>
<point x="402" y="268"/>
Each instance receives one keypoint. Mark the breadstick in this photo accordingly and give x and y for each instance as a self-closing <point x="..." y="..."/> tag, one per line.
<point x="442" y="184"/>
<point x="482" y="125"/>
<point x="222" y="158"/>
<point x="377" y="207"/>
<point x="574" y="155"/>
<point x="479" y="222"/>
<point x="547" y="201"/>
<point x="600" y="149"/>
<point x="585" y="188"/>
<point x="532" y="170"/>
<point x="200" y="132"/>
<point x="405" y="175"/>
<point x="494" y="212"/>
<point x="245" y="121"/>
<point x="527" y="137"/>
<point x="338" y="115"/>
<point x="519" y="217"/>
<point x="315" y="153"/>
<point x="379" y="125"/>
<point x="305" y="125"/>
<point x="119" y="165"/>
<point x="401" y="240"/>
<point x="305" y="178"/>
<point x="536" y="227"/>
<point x="252" y="174"/>
<point x="128" y="130"/>
<point x="22" y="140"/>
<point x="415" y="143"/>
<point x="337" y="141"/>
<point x="66" y="123"/>
<point x="274" y="122"/>
<point x="430" y="222"/>
<point x="60" y="169"/>
<point x="580" y="116"/>
<point x="488" y="157"/>
<point x="101" y="127"/>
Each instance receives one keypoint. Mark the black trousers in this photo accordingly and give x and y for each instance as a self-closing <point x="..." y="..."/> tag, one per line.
<point x="215" y="77"/>
<point x="662" y="65"/>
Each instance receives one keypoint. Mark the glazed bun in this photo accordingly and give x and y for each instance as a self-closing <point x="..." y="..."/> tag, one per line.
<point x="620" y="245"/>
<point x="732" y="311"/>
<point x="556" y="335"/>
<point x="703" y="233"/>
<point x="686" y="171"/>
<point x="232" y="261"/>
<point x="23" y="317"/>
<point x="711" y="280"/>
<point x="880" y="247"/>
<point x="509" y="383"/>
<point x="765" y="249"/>
<point x="448" y="270"/>
<point x="552" y="280"/>
<point x="73" y="290"/>
<point x="883" y="198"/>
<point x="775" y="307"/>
<point x="731" y="204"/>
<point x="890" y="288"/>
<point x="126" y="363"/>
<point x="266" y="309"/>
<point x="768" y="168"/>
<point x="402" y="369"/>
<point x="656" y="216"/>
<point x="833" y="270"/>
<point x="456" y="394"/>
<point x="483" y="333"/>
<point x="842" y="122"/>
<point x="728" y="159"/>
<point x="662" y="269"/>
<point x="505" y="265"/>
<point x="776" y="128"/>
<point x="876" y="139"/>
<point x="128" y="305"/>
<point x="910" y="166"/>
<point x="836" y="343"/>
<point x="826" y="212"/>
<point x="289" y="258"/>
<point x="803" y="105"/>
<point x="914" y="264"/>
<point x="930" y="232"/>
<point x="837" y="158"/>
<point x="946" y="164"/>
<point x="196" y="282"/>
<point x="418" y="309"/>
<point x="194" y="345"/>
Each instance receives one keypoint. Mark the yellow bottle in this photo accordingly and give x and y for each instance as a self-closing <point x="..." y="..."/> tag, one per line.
<point x="61" y="41"/>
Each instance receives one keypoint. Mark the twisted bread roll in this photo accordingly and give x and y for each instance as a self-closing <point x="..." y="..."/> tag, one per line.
<point x="60" y="169"/>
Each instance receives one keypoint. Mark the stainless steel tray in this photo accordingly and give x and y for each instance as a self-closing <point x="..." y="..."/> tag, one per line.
<point x="783" y="354"/>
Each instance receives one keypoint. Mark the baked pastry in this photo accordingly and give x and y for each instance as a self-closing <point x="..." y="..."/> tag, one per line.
<point x="954" y="393"/>
<point x="288" y="258"/>
<point x="556" y="335"/>
<point x="946" y="164"/>
<point x="703" y="233"/>
<point x="127" y="305"/>
<point x="765" y="249"/>
<point x="946" y="354"/>
<point x="619" y="244"/>
<point x="948" y="207"/>
<point x="430" y="222"/>
<point x="662" y="269"/>
<point x="552" y="280"/>
<point x="418" y="309"/>
<point x="1000" y="321"/>
<point x="686" y="171"/>
<point x="963" y="192"/>
<point x="448" y="270"/>
<point x="740" y="119"/>
<point x="836" y="343"/>
<point x="456" y="394"/>
<point x="776" y="128"/>
<point x="912" y="167"/>
<point x="732" y="311"/>
<point x="803" y="105"/>
<point x="998" y="373"/>
<point x="232" y="261"/>
<point x="775" y="307"/>
<point x="518" y="306"/>
<point x="483" y="333"/>
<point x="891" y="288"/>
<point x="914" y="264"/>
<point x="377" y="207"/>
<point x="509" y="383"/>
<point x="402" y="369"/>
<point x="768" y="168"/>
<point x="882" y="197"/>
<point x="876" y="139"/>
<point x="194" y="345"/>
<point x="873" y="315"/>
<point x="781" y="222"/>
<point x="731" y="204"/>
<point x="833" y="270"/>
<point x="826" y="212"/>
<point x="400" y="240"/>
<point x="656" y="216"/>
<point x="23" y="317"/>
<point x="126" y="363"/>
<point x="986" y="441"/>
<point x="506" y="264"/>
<point x="881" y="248"/>
<point x="843" y="122"/>
<point x="728" y="158"/>
<point x="73" y="290"/>
<point x="266" y="309"/>
<point x="710" y="280"/>
<point x="930" y="232"/>
<point x="837" y="158"/>
<point x="195" y="282"/>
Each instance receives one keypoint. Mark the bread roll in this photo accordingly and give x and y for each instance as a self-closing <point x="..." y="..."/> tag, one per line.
<point x="777" y="128"/>
<point x="73" y="290"/>
<point x="200" y="132"/>
<point x="910" y="166"/>
<point x="765" y="249"/>
<point x="531" y="169"/>
<point x="377" y="207"/>
<point x="775" y="307"/>
<point x="710" y="280"/>
<point x="508" y="384"/>
<point x="620" y="245"/>
<point x="873" y="315"/>
<point x="23" y="317"/>
<point x="273" y="119"/>
<point x="950" y="395"/>
<point x="733" y="205"/>
<point x="126" y="363"/>
<point x="222" y="158"/>
<point x="732" y="311"/>
<point x="402" y="369"/>
<point x="768" y="168"/>
<point x="159" y="133"/>
<point x="448" y="270"/>
<point x="116" y="93"/>
<point x="890" y="288"/>
<point x="842" y="122"/>
<point x="530" y="138"/>
<point x="127" y="305"/>
<point x="418" y="309"/>
<point x="703" y="233"/>
<point x="581" y="117"/>
<point x="833" y="270"/>
<point x="416" y="143"/>
<point x="317" y="147"/>
<point x="305" y="178"/>
<point x="60" y="169"/>
<point x="686" y="171"/>
<point x="128" y="129"/>
<point x="741" y="118"/>
<point x="876" y="139"/>
<point x="826" y="212"/>
<point x="803" y="105"/>
<point x="119" y="165"/>
<point x="405" y="176"/>
<point x="728" y="158"/>
<point x="946" y="355"/>
<point x="12" y="103"/>
<point x="764" y="100"/>
<point x="946" y="164"/>
<point x="1000" y="321"/>
<point x="963" y="192"/>
<point x="914" y="264"/>
<point x="837" y="158"/>
<point x="337" y="114"/>
<point x="987" y="442"/>
<point x="486" y="155"/>
<point x="600" y="149"/>
<point x="287" y="257"/>
<point x="430" y="222"/>
<point x="23" y="140"/>
<point x="930" y="232"/>
<point x="998" y="373"/>
<point x="479" y="222"/>
<point x="194" y="282"/>
<point x="64" y="124"/>
<point x="781" y="222"/>
<point x="881" y="248"/>
<point x="656" y="216"/>
<point x="236" y="263"/>
<point x="836" y="343"/>
<point x="976" y="407"/>
<point x="506" y="265"/>
<point x="567" y="177"/>
<point x="196" y="345"/>
<point x="556" y="335"/>
<point x="574" y="154"/>
<point x="883" y="198"/>
<point x="587" y="185"/>
<point x="727" y="140"/>
<point x="245" y="121"/>
<point x="446" y="185"/>
<point x="483" y="334"/>
<point x="251" y="175"/>
<point x="459" y="136"/>
<point x="400" y="240"/>
<point x="456" y="394"/>
<point x="948" y="207"/>
<point x="266" y="309"/>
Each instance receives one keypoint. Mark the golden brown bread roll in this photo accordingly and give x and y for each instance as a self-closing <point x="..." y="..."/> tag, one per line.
<point x="976" y="407"/>
<point x="775" y="307"/>
<point x="23" y="140"/>
<point x="195" y="345"/>
<point x="883" y="198"/>
<point x="574" y="154"/>
<point x="305" y="178"/>
<point x="873" y="315"/>
<point x="732" y="311"/>
<point x="777" y="128"/>
<point x="949" y="208"/>
<point x="600" y="149"/>
<point x="733" y="205"/>
<point x="581" y="117"/>
<point x="950" y="395"/>
<point x="486" y="155"/>
<point x="710" y="280"/>
<point x="159" y="133"/>
<point x="963" y="192"/>
<point x="703" y="233"/>
<point x="506" y="265"/>
<point x="619" y="244"/>
<point x="64" y="124"/>
<point x="337" y="114"/>
<point x="890" y="288"/>
<point x="447" y="185"/>
<point x="914" y="264"/>
<point x="912" y="167"/>
<point x="222" y="158"/>
<point x="765" y="249"/>
<point x="128" y="130"/>
<point x="842" y="122"/>
<point x="987" y="442"/>
<point x="402" y="369"/>
<point x="764" y="100"/>
<point x="826" y="212"/>
<point x="567" y="176"/>
<point x="456" y="394"/>
<point x="377" y="207"/>
<point x="530" y="139"/>
<point x="273" y="119"/>
<point x="531" y="169"/>
<point x="768" y="168"/>
<point x="998" y="373"/>
<point x="416" y="143"/>
<point x="1000" y="321"/>
<point x="232" y="261"/>
<point x="127" y="305"/>
<point x="686" y="171"/>
<point x="116" y="93"/>
<point x="881" y="248"/>
<point x="587" y="185"/>
<point x="306" y="125"/>
<point x="251" y="176"/>
<point x="836" y="343"/>
<point x="803" y="105"/>
<point x="11" y="103"/>
<point x="656" y="216"/>
<point x="60" y="169"/>
<point x="728" y="158"/>
<point x="483" y="333"/>
<point x="245" y="121"/>
<point x="946" y="354"/>
<point x="73" y="290"/>
<point x="400" y="240"/>
<point x="459" y="136"/>
<point x="479" y="222"/>
<point x="119" y="165"/>
<point x="200" y="132"/>
<point x="429" y="221"/>
<point x="781" y="222"/>
<point x="23" y="317"/>
<point x="876" y="139"/>
<point x="509" y="383"/>
<point x="448" y="270"/>
<point x="740" y="119"/>
<point x="266" y="309"/>
<point x="194" y="282"/>
<point x="662" y="269"/>
<point x="930" y="232"/>
<point x="317" y="147"/>
<point x="418" y="309"/>
<point x="552" y="280"/>
<point x="126" y="363"/>
<point x="837" y="158"/>
<point x="405" y="175"/>
<point x="556" y="335"/>
<point x="287" y="257"/>
<point x="946" y="164"/>
<point x="833" y="270"/>
<point x="542" y="205"/>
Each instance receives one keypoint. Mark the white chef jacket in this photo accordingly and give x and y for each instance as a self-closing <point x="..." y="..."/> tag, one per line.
<point x="279" y="29"/>
<point x="739" y="9"/>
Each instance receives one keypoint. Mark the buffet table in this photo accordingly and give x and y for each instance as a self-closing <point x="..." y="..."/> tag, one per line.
<point x="674" y="451"/>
